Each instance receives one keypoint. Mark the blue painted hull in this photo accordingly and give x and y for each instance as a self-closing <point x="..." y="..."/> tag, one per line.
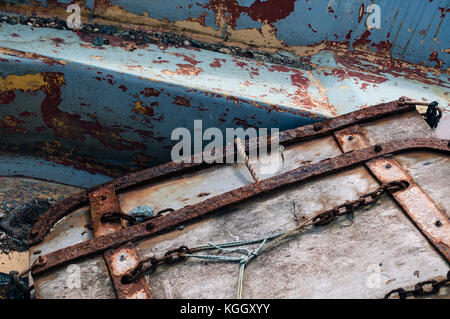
<point x="68" y="102"/>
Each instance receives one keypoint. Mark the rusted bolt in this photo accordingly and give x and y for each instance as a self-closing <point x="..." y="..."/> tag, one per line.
<point x="41" y="261"/>
<point x="378" y="148"/>
<point x="388" y="166"/>
<point x="317" y="127"/>
<point x="150" y="226"/>
<point x="402" y="100"/>
<point x="438" y="223"/>
<point x="351" y="138"/>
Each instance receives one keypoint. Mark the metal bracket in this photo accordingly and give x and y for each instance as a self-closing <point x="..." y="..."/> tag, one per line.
<point x="433" y="223"/>
<point x="121" y="260"/>
<point x="189" y="213"/>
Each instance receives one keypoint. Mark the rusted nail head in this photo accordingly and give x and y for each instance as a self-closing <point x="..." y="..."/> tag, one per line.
<point x="317" y="126"/>
<point x="378" y="148"/>
<point x="402" y="100"/>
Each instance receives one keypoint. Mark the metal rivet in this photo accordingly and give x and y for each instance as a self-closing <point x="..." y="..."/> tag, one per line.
<point x="350" y="138"/>
<point x="317" y="126"/>
<point x="378" y="148"/>
<point x="438" y="223"/>
<point x="388" y="166"/>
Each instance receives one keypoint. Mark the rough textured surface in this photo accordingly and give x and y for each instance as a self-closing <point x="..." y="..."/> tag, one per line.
<point x="330" y="263"/>
<point x="52" y="109"/>
<point x="16" y="192"/>
<point x="298" y="26"/>
<point x="335" y="262"/>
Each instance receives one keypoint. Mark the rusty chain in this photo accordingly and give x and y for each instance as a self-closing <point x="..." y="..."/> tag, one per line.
<point x="348" y="208"/>
<point x="321" y="219"/>
<point x="419" y="290"/>
<point x="132" y="219"/>
<point x="170" y="257"/>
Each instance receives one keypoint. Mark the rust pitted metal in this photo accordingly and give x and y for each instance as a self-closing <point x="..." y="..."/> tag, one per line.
<point x="433" y="223"/>
<point x="119" y="261"/>
<point x="341" y="122"/>
<point x="104" y="201"/>
<point x="352" y="138"/>
<point x="189" y="213"/>
<point x="54" y="214"/>
<point x="364" y="115"/>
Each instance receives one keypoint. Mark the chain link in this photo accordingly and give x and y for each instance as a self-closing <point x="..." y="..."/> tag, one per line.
<point x="348" y="208"/>
<point x="322" y="219"/>
<point x="170" y="257"/>
<point x="419" y="289"/>
<point x="132" y="219"/>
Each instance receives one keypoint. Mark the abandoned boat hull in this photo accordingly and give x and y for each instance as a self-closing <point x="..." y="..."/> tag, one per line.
<point x="379" y="250"/>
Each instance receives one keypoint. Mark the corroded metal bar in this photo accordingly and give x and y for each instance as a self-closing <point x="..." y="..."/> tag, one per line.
<point x="43" y="226"/>
<point x="119" y="261"/>
<point x="433" y="223"/>
<point x="241" y="150"/>
<point x="189" y="213"/>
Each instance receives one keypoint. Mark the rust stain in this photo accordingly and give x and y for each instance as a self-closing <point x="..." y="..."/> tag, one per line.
<point x="182" y="101"/>
<point x="361" y="12"/>
<point x="30" y="55"/>
<point x="140" y="108"/>
<point x="434" y="58"/>
<point x="217" y="63"/>
<point x="150" y="92"/>
<point x="64" y="125"/>
<point x="184" y="69"/>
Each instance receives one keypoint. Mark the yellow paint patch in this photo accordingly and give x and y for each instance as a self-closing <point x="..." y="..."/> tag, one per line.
<point x="28" y="82"/>
<point x="139" y="108"/>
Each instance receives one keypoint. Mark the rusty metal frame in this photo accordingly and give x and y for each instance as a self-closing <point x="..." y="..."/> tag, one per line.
<point x="164" y="223"/>
<point x="433" y="223"/>
<point x="57" y="212"/>
<point x="124" y="259"/>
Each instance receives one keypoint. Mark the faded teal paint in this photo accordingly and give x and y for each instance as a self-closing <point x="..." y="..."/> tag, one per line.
<point x="176" y="85"/>
<point x="410" y="30"/>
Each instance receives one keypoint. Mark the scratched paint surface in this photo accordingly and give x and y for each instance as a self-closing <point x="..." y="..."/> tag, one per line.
<point x="109" y="110"/>
<point x="415" y="31"/>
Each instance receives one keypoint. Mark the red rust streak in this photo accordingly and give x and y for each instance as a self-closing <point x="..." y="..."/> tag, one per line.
<point x="70" y="126"/>
<point x="182" y="101"/>
<point x="150" y="92"/>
